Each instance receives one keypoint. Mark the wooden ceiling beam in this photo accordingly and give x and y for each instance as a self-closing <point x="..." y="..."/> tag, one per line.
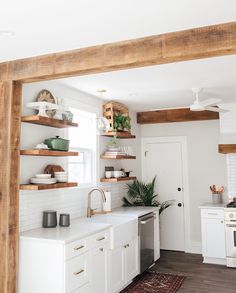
<point x="203" y="42"/>
<point x="227" y="148"/>
<point x="174" y="115"/>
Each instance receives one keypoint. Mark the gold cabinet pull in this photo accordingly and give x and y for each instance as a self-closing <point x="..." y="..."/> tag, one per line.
<point x="100" y="239"/>
<point x="79" y="247"/>
<point x="79" y="272"/>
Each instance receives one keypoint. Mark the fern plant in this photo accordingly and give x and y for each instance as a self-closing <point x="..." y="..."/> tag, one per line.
<point x="143" y="194"/>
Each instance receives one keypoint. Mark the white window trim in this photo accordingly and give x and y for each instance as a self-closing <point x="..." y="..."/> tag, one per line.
<point x="96" y="110"/>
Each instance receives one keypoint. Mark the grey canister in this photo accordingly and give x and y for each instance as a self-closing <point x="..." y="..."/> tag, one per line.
<point x="49" y="219"/>
<point x="64" y="220"/>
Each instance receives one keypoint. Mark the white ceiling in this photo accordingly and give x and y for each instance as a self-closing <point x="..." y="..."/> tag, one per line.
<point x="164" y="86"/>
<point x="46" y="26"/>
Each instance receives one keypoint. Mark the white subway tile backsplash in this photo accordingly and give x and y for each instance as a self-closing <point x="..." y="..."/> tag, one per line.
<point x="72" y="201"/>
<point x="231" y="165"/>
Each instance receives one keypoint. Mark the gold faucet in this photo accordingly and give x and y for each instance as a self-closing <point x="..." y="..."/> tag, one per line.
<point x="90" y="211"/>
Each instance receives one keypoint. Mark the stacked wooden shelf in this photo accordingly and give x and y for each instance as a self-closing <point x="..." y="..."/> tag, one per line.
<point x="46" y="121"/>
<point x="51" y="122"/>
<point x="47" y="153"/>
<point x="124" y="135"/>
<point x="121" y="179"/>
<point x="118" y="157"/>
<point x="47" y="186"/>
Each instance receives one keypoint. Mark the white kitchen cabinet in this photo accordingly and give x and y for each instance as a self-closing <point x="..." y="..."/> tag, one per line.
<point x="54" y="266"/>
<point x="123" y="265"/>
<point x="77" y="272"/>
<point x="213" y="236"/>
<point x="99" y="269"/>
<point x="116" y="271"/>
<point x="131" y="260"/>
<point x="83" y="289"/>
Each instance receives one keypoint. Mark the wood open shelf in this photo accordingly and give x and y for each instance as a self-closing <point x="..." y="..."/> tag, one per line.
<point x="119" y="134"/>
<point x="47" y="153"/>
<point x="35" y="119"/>
<point x="47" y="186"/>
<point x="113" y="180"/>
<point x="227" y="148"/>
<point x="117" y="157"/>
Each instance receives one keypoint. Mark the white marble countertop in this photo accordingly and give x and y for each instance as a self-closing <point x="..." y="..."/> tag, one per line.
<point x="134" y="211"/>
<point x="85" y="227"/>
<point x="211" y="205"/>
<point x="79" y="228"/>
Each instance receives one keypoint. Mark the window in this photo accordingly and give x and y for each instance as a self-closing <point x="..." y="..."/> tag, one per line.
<point x="81" y="169"/>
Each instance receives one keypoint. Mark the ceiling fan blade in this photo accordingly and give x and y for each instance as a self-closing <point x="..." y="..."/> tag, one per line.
<point x="216" y="109"/>
<point x="210" y="102"/>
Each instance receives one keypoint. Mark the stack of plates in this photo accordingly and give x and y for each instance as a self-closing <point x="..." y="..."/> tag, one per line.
<point x="43" y="179"/>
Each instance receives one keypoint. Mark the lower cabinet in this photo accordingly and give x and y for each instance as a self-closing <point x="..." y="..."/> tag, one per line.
<point x="99" y="269"/>
<point x="55" y="267"/>
<point x="123" y="266"/>
<point x="83" y="289"/>
<point x="83" y="266"/>
<point x="77" y="272"/>
<point x="213" y="236"/>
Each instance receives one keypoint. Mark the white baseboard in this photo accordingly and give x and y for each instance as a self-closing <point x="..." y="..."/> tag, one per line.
<point x="194" y="247"/>
<point x="216" y="261"/>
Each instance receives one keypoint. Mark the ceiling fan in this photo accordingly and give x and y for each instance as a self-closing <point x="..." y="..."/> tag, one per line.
<point x="209" y="104"/>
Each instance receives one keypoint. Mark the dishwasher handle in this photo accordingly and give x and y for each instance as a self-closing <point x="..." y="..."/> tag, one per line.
<point x="148" y="220"/>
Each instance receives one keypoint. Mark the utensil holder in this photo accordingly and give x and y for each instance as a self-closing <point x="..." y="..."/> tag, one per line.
<point x="216" y="198"/>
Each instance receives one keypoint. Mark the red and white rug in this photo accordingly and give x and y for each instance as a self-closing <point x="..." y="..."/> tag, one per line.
<point x="154" y="282"/>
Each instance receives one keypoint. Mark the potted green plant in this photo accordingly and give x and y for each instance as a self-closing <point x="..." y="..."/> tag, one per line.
<point x="143" y="194"/>
<point x="121" y="122"/>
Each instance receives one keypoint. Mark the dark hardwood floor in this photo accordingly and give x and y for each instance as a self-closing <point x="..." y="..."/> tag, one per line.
<point x="201" y="278"/>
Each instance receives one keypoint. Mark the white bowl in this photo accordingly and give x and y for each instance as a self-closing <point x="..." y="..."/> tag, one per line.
<point x="61" y="176"/>
<point x="43" y="176"/>
<point x="60" y="173"/>
<point x="62" y="179"/>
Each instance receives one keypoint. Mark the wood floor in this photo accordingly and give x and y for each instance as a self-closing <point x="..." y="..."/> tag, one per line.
<point x="203" y="278"/>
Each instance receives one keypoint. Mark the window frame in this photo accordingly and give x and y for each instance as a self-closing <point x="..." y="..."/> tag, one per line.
<point x="93" y="110"/>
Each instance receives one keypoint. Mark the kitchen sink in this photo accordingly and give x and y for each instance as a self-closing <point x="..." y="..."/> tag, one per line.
<point x="123" y="229"/>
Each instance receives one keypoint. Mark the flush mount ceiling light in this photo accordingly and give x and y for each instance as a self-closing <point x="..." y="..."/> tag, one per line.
<point x="5" y="33"/>
<point x="101" y="92"/>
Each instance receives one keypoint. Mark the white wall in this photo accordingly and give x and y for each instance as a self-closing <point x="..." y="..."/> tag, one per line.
<point x="72" y="200"/>
<point x="205" y="165"/>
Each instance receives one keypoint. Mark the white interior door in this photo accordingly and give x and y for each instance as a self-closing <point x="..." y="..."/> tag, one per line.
<point x="163" y="159"/>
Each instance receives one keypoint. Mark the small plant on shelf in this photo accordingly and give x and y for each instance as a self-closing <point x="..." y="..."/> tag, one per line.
<point x="143" y="194"/>
<point x="113" y="143"/>
<point x="121" y="122"/>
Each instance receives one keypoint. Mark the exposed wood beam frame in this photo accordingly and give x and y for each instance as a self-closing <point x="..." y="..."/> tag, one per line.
<point x="174" y="115"/>
<point x="10" y="109"/>
<point x="203" y="42"/>
<point x="227" y="148"/>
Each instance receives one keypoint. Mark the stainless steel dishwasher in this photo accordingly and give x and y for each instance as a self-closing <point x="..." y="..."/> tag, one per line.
<point x="146" y="241"/>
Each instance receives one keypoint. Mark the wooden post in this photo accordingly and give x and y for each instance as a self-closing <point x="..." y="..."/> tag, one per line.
<point x="10" y="110"/>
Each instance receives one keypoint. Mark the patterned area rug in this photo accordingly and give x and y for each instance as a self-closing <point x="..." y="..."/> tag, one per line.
<point x="154" y="282"/>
